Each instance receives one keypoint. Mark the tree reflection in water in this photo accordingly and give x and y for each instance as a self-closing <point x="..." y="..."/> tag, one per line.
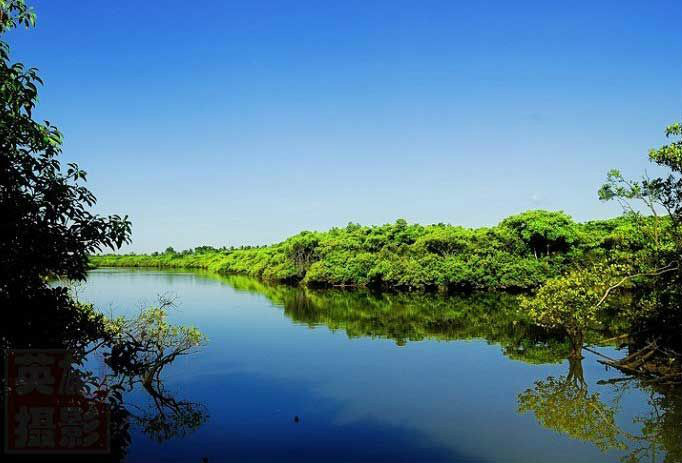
<point x="166" y="417"/>
<point x="142" y="347"/>
<point x="405" y="317"/>
<point x="163" y="417"/>
<point x="134" y="353"/>
<point x="566" y="406"/>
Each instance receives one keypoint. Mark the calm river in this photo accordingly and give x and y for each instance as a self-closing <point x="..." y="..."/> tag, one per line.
<point x="291" y="376"/>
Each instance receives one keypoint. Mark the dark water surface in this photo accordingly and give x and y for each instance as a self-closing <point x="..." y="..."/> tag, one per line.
<point x="383" y="378"/>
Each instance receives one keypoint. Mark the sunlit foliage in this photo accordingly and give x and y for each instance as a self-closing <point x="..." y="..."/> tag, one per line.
<point x="574" y="301"/>
<point x="655" y="205"/>
<point x="520" y="253"/>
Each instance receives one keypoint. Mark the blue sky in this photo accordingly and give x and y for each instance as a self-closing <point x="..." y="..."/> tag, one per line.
<point x="221" y="123"/>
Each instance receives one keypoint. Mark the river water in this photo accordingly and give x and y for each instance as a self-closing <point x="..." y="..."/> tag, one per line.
<point x="296" y="375"/>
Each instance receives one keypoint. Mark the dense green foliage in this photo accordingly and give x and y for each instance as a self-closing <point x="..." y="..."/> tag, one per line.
<point x="657" y="313"/>
<point x="520" y="253"/>
<point x="47" y="234"/>
<point x="47" y="227"/>
<point x="47" y="230"/>
<point x="573" y="302"/>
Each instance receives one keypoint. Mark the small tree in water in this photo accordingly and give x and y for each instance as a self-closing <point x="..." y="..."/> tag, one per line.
<point x="141" y="348"/>
<point x="573" y="302"/>
<point x="144" y="345"/>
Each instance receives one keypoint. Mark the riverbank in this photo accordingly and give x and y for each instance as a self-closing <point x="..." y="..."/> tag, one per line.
<point x="518" y="254"/>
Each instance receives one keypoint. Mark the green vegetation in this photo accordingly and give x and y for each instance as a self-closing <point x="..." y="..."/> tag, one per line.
<point x="48" y="233"/>
<point x="573" y="302"/>
<point x="140" y="348"/>
<point x="47" y="229"/>
<point x="408" y="317"/>
<point x="574" y="270"/>
<point x="520" y="253"/>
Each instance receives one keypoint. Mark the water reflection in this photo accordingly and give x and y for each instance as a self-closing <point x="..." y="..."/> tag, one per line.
<point x="565" y="405"/>
<point x="61" y="407"/>
<point x="142" y="348"/>
<point x="167" y="417"/>
<point x="75" y="402"/>
<point x="420" y="396"/>
<point x="156" y="412"/>
<point x="405" y="317"/>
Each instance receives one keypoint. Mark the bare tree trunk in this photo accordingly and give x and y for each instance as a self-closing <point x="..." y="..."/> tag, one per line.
<point x="576" y="340"/>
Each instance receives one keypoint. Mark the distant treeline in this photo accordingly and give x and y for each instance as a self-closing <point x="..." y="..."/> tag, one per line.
<point x="519" y="253"/>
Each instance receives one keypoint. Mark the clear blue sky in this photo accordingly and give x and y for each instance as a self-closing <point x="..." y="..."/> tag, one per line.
<point x="220" y="122"/>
